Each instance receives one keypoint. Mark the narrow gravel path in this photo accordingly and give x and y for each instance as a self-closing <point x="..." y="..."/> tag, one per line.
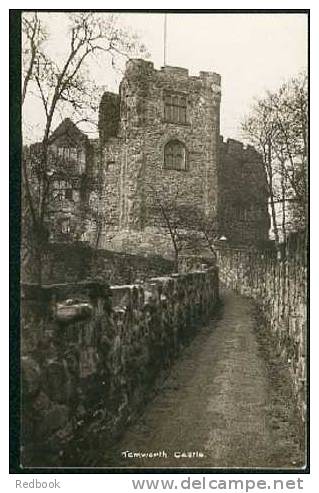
<point x="227" y="402"/>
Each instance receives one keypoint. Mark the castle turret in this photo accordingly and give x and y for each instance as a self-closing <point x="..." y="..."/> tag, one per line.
<point x="134" y="92"/>
<point x="243" y="196"/>
<point x="170" y="131"/>
<point x="166" y="146"/>
<point x="109" y="116"/>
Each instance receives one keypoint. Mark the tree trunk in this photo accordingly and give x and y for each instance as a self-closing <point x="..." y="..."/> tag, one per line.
<point x="38" y="265"/>
<point x="273" y="218"/>
<point x="283" y="206"/>
<point x="271" y="194"/>
<point x="176" y="261"/>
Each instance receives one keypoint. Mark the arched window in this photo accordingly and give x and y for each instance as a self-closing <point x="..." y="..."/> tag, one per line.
<point x="175" y="156"/>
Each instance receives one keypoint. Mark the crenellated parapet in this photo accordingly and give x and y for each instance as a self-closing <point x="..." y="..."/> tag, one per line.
<point x="242" y="151"/>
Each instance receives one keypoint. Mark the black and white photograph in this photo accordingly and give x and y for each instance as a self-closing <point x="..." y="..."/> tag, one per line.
<point x="162" y="189"/>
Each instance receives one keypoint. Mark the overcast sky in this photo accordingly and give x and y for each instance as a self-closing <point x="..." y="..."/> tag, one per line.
<point x="252" y="52"/>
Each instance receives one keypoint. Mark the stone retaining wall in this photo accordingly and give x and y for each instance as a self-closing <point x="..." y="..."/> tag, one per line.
<point x="73" y="262"/>
<point x="279" y="287"/>
<point x="90" y="363"/>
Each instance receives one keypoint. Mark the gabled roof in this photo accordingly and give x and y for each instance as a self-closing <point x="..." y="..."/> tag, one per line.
<point x="68" y="130"/>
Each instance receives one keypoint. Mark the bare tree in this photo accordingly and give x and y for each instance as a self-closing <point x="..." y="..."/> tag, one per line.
<point x="291" y="145"/>
<point x="260" y="127"/>
<point x="191" y="231"/>
<point x="62" y="86"/>
<point x="203" y="231"/>
<point x="170" y="214"/>
<point x="210" y="231"/>
<point x="277" y="127"/>
<point x="34" y="34"/>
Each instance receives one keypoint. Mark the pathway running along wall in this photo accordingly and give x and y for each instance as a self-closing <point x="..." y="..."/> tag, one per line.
<point x="92" y="353"/>
<point x="278" y="283"/>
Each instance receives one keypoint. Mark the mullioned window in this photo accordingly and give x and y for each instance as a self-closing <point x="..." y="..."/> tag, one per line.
<point x="175" y="108"/>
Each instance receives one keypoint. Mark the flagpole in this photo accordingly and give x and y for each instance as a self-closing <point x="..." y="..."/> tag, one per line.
<point x="165" y="39"/>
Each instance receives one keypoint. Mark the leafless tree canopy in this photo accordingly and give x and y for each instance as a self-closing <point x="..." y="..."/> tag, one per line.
<point x="278" y="127"/>
<point x="189" y="229"/>
<point x="63" y="85"/>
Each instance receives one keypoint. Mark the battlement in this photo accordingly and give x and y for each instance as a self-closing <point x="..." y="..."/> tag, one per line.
<point x="139" y="65"/>
<point x="235" y="147"/>
<point x="175" y="70"/>
<point x="138" y="68"/>
<point x="211" y="76"/>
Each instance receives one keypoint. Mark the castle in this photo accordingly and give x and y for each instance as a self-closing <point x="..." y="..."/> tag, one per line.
<point x="159" y="144"/>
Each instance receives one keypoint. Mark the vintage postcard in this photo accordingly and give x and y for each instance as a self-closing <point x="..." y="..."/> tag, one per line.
<point x="163" y="164"/>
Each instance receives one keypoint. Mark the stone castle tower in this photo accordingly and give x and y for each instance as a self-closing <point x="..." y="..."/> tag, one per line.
<point x="160" y="139"/>
<point x="160" y="147"/>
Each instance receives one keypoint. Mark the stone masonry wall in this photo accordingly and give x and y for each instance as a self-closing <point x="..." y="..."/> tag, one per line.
<point x="243" y="197"/>
<point x="137" y="172"/>
<point x="223" y="179"/>
<point x="279" y="288"/>
<point x="75" y="262"/>
<point x="91" y="355"/>
<point x="112" y="180"/>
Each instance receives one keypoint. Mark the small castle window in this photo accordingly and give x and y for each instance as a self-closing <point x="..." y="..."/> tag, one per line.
<point x="61" y="152"/>
<point x="73" y="154"/>
<point x="175" y="156"/>
<point x="69" y="194"/>
<point x="81" y="160"/>
<point x="175" y="106"/>
<point x="65" y="226"/>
